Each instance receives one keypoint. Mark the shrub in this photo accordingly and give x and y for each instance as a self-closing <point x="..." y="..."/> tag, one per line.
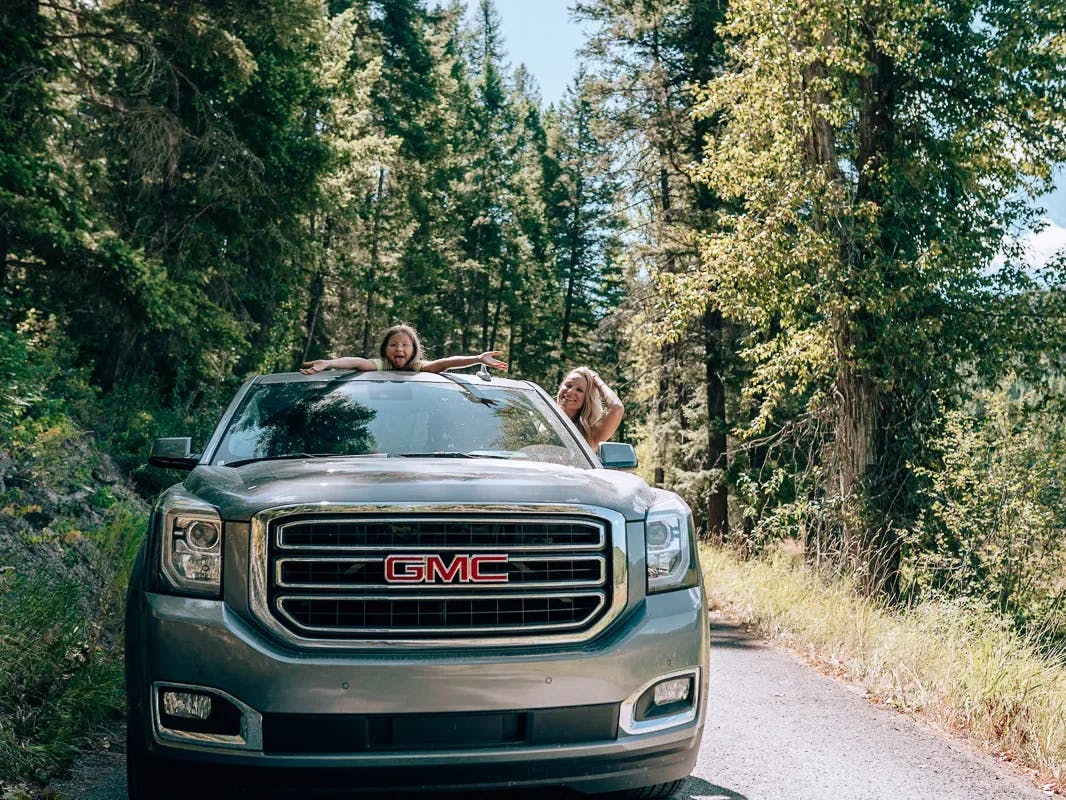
<point x="61" y="646"/>
<point x="995" y="517"/>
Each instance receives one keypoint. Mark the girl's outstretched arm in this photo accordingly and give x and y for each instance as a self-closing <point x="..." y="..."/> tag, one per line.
<point x="454" y="362"/>
<point x="345" y="362"/>
<point x="603" y="428"/>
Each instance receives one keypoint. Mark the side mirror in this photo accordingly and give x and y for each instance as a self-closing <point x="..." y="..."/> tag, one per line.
<point x="617" y="455"/>
<point x="173" y="452"/>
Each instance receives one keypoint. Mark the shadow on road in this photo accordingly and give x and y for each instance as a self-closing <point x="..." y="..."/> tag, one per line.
<point x="693" y="789"/>
<point x="699" y="789"/>
<point x="725" y="634"/>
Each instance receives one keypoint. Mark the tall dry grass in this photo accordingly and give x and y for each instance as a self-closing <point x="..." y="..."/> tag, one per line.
<point x="951" y="662"/>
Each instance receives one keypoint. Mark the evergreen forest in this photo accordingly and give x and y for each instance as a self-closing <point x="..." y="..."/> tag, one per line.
<point x="789" y="233"/>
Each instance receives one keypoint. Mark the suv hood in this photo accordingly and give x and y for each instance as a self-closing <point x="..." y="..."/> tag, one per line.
<point x="240" y="492"/>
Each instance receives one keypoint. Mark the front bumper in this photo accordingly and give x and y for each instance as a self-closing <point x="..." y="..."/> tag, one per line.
<point x="584" y="771"/>
<point x="201" y="643"/>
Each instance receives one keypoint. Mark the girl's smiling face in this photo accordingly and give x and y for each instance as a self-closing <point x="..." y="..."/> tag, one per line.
<point x="399" y="350"/>
<point x="571" y="396"/>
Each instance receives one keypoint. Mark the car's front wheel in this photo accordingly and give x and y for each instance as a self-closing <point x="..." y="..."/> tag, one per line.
<point x="147" y="777"/>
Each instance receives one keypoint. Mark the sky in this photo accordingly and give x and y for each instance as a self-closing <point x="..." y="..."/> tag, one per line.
<point x="542" y="35"/>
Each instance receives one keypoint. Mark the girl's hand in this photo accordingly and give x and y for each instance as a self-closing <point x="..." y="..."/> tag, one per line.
<point x="489" y="360"/>
<point x="318" y="365"/>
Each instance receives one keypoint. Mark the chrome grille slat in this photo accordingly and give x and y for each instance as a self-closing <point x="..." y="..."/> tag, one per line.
<point x="326" y="575"/>
<point x="421" y="536"/>
<point x="593" y="567"/>
<point x="394" y="600"/>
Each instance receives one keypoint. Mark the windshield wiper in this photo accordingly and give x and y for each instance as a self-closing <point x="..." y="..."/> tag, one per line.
<point x="292" y="456"/>
<point x="454" y="454"/>
<point x="471" y="392"/>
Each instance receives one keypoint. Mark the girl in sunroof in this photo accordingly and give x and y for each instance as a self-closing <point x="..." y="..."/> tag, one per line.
<point x="401" y="349"/>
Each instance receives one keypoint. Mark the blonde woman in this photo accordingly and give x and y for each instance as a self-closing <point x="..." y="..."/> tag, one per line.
<point x="591" y="405"/>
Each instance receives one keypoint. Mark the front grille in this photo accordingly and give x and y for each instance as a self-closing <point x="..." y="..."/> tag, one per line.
<point x="354" y="577"/>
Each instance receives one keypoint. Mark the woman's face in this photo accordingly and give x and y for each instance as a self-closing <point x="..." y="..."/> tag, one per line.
<point x="399" y="350"/>
<point x="571" y="394"/>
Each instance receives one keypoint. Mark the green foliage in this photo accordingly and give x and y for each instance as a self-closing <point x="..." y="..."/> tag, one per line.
<point x="873" y="157"/>
<point x="996" y="509"/>
<point x="61" y="650"/>
<point x="39" y="391"/>
<point x="584" y="225"/>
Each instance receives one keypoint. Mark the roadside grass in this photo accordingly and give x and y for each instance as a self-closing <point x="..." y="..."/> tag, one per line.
<point x="954" y="664"/>
<point x="61" y="649"/>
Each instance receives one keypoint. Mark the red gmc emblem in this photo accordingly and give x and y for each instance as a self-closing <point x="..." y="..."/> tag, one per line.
<point x="431" y="568"/>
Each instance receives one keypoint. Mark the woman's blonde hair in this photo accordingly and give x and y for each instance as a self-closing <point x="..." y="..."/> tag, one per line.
<point x="592" y="408"/>
<point x="407" y="331"/>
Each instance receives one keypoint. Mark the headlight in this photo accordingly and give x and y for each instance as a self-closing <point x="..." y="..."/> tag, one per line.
<point x="669" y="550"/>
<point x="190" y="549"/>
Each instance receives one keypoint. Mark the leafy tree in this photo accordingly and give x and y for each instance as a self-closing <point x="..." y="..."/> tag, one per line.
<point x="993" y="518"/>
<point x="648" y="58"/>
<point x="585" y="232"/>
<point x="875" y="156"/>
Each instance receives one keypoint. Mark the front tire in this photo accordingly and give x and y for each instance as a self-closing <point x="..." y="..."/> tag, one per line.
<point x="147" y="777"/>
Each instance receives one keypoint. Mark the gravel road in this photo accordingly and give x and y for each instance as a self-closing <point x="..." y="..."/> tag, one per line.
<point x="776" y="730"/>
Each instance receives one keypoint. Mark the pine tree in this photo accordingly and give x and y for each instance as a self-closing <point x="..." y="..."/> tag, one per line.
<point x="649" y="56"/>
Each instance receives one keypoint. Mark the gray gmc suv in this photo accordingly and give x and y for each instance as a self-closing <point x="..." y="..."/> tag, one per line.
<point x="374" y="581"/>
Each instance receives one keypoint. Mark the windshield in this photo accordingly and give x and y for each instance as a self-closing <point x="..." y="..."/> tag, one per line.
<point x="404" y="418"/>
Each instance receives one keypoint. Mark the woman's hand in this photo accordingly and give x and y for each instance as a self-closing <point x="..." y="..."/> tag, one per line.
<point x="489" y="360"/>
<point x="318" y="365"/>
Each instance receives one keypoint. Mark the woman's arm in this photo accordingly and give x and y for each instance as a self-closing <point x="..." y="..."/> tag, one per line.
<point x="344" y="362"/>
<point x="604" y="428"/>
<point x="454" y="362"/>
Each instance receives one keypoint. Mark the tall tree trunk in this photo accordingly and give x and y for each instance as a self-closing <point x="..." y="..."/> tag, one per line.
<point x="666" y="350"/>
<point x="486" y="285"/>
<point x="496" y="317"/>
<point x="852" y="406"/>
<point x="318" y="289"/>
<point x="468" y="294"/>
<point x="864" y="543"/>
<point x="715" y="457"/>
<point x="702" y="42"/>
<point x="662" y="403"/>
<point x="883" y="548"/>
<point x="854" y="426"/>
<point x="4" y="239"/>
<point x="568" y="304"/>
<point x="464" y="328"/>
<point x="512" y="354"/>
<point x="372" y="273"/>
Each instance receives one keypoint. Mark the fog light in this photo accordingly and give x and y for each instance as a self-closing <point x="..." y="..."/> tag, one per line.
<point x="186" y="705"/>
<point x="200" y="714"/>
<point x="672" y="691"/>
<point x="668" y="701"/>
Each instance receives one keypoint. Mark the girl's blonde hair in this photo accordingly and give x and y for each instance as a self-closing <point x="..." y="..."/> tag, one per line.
<point x="592" y="408"/>
<point x="407" y="331"/>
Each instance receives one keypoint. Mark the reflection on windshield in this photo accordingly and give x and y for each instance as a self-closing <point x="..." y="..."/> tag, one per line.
<point x="394" y="418"/>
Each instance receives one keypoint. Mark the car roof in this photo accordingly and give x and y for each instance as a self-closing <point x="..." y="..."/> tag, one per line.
<point x="395" y="376"/>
